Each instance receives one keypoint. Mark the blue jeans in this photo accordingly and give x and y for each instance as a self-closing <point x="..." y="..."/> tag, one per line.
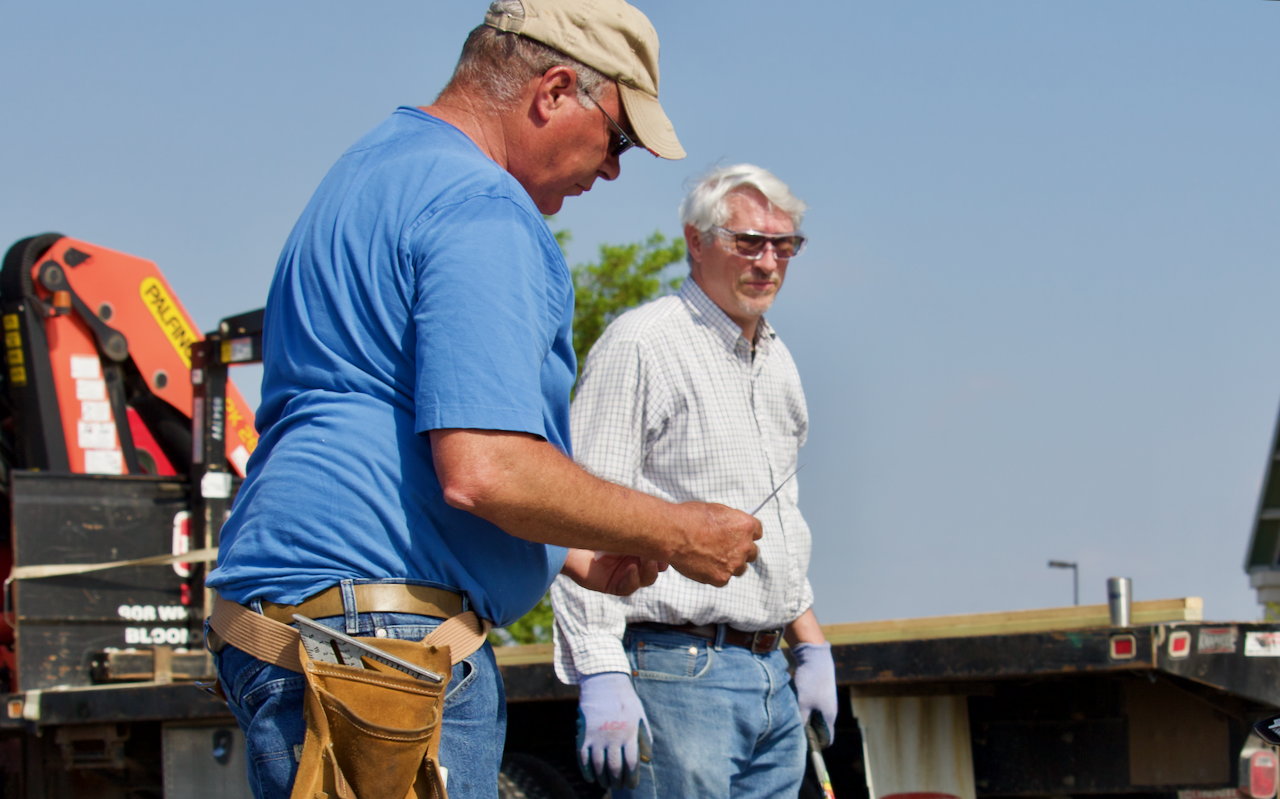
<point x="725" y="721"/>
<point x="267" y="703"/>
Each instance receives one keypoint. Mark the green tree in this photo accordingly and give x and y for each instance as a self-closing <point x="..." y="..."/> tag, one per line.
<point x="623" y="277"/>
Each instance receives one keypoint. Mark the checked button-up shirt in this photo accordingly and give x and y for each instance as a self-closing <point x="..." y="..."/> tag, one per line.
<point x="674" y="402"/>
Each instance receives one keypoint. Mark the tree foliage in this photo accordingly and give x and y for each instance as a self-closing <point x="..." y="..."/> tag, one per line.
<point x="623" y="277"/>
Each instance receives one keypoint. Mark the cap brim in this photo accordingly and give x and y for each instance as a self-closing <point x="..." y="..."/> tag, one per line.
<point x="650" y="123"/>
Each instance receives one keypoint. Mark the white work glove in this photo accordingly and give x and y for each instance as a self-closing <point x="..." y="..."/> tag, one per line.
<point x="815" y="681"/>
<point x="613" y="735"/>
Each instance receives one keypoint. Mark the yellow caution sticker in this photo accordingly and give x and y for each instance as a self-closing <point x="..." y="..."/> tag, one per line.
<point x="15" y="357"/>
<point x="11" y="321"/>
<point x="165" y="310"/>
<point x="13" y="339"/>
<point x="18" y="375"/>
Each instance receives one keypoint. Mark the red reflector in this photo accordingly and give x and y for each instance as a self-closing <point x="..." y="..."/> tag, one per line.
<point x="182" y="541"/>
<point x="1123" y="647"/>
<point x="1262" y="775"/>
<point x="1179" y="644"/>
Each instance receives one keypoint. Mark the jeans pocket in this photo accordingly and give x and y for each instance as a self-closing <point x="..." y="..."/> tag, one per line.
<point x="271" y="686"/>
<point x="239" y="673"/>
<point x="671" y="660"/>
<point x="458" y="685"/>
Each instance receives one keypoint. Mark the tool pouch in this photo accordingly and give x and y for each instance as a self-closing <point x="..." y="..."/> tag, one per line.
<point x="373" y="733"/>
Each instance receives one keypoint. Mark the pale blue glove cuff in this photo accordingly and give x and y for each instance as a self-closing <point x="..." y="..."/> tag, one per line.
<point x="815" y="681"/>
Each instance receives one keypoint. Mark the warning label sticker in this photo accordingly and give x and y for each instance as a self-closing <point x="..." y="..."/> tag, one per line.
<point x="86" y="367"/>
<point x="1217" y="640"/>
<point x="91" y="389"/>
<point x="1262" y="645"/>
<point x="96" y="435"/>
<point x="103" y="461"/>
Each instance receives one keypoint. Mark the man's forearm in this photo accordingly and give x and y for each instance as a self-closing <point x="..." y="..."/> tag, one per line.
<point x="804" y="630"/>
<point x="531" y="490"/>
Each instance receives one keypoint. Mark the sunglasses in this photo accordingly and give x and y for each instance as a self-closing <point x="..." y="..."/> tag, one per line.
<point x="750" y="244"/>
<point x="624" y="142"/>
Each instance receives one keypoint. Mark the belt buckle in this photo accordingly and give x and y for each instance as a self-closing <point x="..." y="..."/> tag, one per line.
<point x="764" y="641"/>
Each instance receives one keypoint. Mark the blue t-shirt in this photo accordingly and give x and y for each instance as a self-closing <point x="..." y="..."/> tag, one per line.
<point x="420" y="290"/>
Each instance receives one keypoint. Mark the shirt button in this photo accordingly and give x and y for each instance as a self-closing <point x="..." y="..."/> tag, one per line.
<point x="381" y="633"/>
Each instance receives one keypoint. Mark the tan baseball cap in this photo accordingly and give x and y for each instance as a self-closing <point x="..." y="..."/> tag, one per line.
<point x="614" y="38"/>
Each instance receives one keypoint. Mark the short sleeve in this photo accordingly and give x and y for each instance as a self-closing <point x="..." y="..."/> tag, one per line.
<point x="485" y="311"/>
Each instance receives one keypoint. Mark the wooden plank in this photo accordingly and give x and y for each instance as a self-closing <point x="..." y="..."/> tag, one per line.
<point x="1082" y="617"/>
<point x="523" y="654"/>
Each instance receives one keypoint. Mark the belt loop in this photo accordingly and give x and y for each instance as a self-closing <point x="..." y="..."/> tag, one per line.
<point x="349" y="609"/>
<point x="719" y="639"/>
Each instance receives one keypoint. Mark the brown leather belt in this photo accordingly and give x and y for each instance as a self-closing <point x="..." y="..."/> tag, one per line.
<point x="420" y="600"/>
<point x="760" y="642"/>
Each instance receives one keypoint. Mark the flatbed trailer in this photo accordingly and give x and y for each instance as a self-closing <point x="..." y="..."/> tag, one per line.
<point x="1056" y="703"/>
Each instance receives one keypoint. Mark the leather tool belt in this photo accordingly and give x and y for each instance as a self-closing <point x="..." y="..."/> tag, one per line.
<point x="372" y="732"/>
<point x="760" y="642"/>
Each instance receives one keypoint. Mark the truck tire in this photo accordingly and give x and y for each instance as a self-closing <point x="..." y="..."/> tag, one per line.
<point x="527" y="777"/>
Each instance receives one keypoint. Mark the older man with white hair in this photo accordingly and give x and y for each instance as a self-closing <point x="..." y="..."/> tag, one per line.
<point x="694" y="397"/>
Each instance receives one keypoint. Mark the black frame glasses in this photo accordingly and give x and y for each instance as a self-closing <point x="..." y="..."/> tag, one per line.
<point x="624" y="142"/>
<point x="751" y="244"/>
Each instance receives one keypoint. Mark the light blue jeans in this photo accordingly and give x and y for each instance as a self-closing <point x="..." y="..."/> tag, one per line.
<point x="267" y="703"/>
<point x="725" y="721"/>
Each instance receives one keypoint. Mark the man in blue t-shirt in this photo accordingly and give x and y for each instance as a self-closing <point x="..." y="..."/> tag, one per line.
<point x="415" y="457"/>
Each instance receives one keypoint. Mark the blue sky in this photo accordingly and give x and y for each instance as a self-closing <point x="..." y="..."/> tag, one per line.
<point x="1035" y="319"/>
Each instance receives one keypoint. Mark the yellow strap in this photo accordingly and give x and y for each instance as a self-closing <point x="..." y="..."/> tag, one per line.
<point x="60" y="570"/>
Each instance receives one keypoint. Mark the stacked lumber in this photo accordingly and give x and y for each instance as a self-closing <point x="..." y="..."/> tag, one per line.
<point x="1081" y="617"/>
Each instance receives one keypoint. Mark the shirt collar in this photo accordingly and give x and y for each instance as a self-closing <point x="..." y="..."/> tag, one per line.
<point x="727" y="330"/>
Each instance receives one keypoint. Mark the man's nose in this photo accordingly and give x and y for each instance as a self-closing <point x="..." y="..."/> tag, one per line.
<point x="611" y="168"/>
<point x="768" y="260"/>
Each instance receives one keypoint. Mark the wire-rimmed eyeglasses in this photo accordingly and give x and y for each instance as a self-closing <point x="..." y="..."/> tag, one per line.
<point x="624" y="142"/>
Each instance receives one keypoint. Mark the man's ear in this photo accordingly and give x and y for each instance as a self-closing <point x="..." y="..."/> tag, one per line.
<point x="555" y="88"/>
<point x="693" y="241"/>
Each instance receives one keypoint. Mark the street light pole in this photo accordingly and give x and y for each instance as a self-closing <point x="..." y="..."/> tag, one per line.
<point x="1075" y="576"/>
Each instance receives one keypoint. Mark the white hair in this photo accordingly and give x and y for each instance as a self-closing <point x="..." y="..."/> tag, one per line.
<point x="496" y="65"/>
<point x="706" y="205"/>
